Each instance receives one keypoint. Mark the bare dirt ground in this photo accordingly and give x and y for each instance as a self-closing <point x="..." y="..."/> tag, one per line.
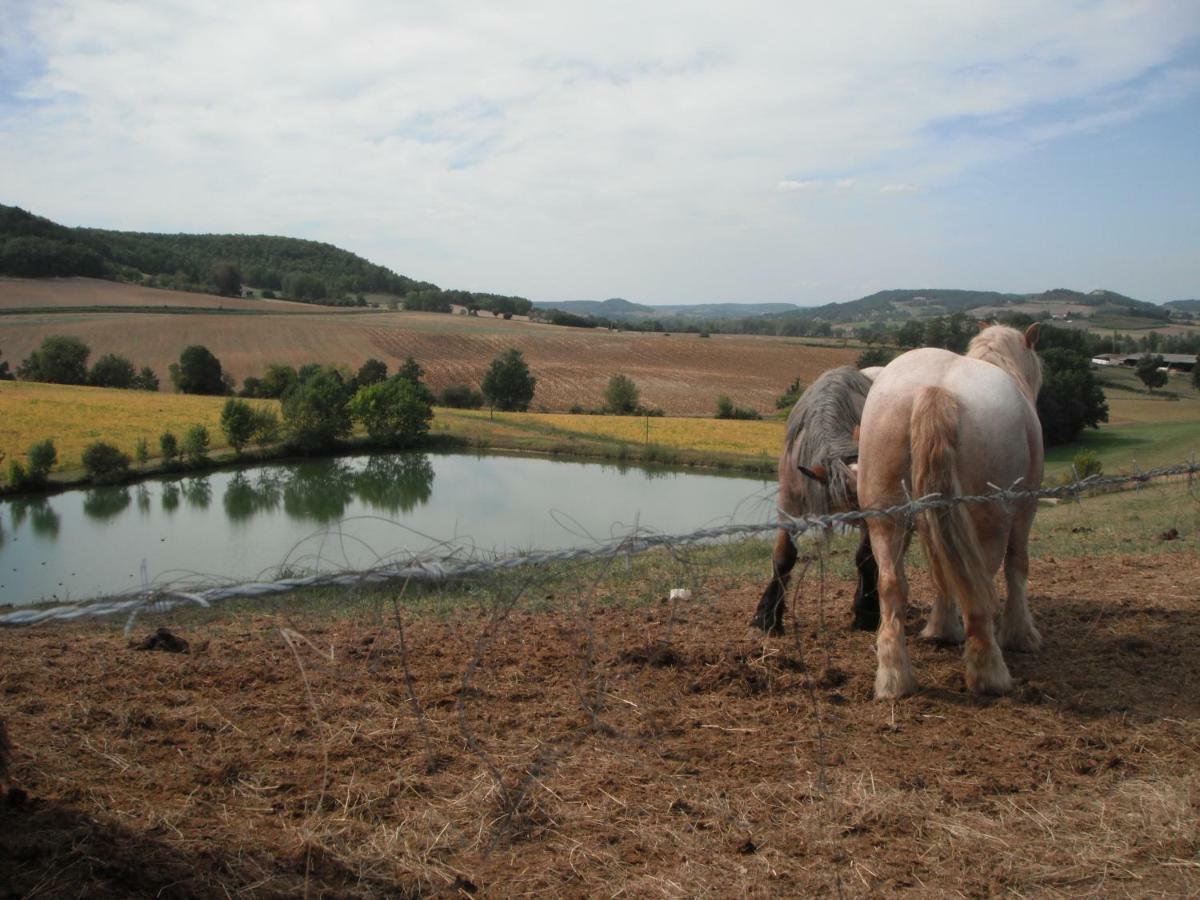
<point x="653" y="751"/>
<point x="681" y="373"/>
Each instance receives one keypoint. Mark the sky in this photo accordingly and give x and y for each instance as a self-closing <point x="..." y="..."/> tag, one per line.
<point x="665" y="152"/>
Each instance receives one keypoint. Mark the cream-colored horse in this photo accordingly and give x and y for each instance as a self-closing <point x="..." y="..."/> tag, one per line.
<point x="938" y="422"/>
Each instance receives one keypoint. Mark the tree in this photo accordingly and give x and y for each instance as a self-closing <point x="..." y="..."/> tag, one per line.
<point x="142" y="452"/>
<point x="112" y="371"/>
<point x="228" y="279"/>
<point x="1196" y="375"/>
<point x="5" y="374"/>
<point x="372" y="371"/>
<point x="911" y="333"/>
<point x="1150" y="371"/>
<point x="60" y="359"/>
<point x="395" y="412"/>
<point x="876" y="356"/>
<point x="1071" y="398"/>
<point x="410" y="370"/>
<point x="198" y="372"/>
<point x="315" y="412"/>
<point x="237" y="423"/>
<point x="195" y="443"/>
<point x="278" y="379"/>
<point x="621" y="396"/>
<point x="146" y="380"/>
<point x="508" y="384"/>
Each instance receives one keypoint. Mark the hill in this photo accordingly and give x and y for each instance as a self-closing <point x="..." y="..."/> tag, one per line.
<point x="311" y="271"/>
<point x="618" y="309"/>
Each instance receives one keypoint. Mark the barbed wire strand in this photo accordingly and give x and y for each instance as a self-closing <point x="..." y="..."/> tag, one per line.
<point x="439" y="569"/>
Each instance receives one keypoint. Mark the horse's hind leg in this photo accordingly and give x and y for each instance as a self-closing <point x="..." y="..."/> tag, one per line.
<point x="987" y="672"/>
<point x="893" y="677"/>
<point x="1017" y="631"/>
<point x="944" y="626"/>
<point x="769" y="615"/>
<point x="866" y="594"/>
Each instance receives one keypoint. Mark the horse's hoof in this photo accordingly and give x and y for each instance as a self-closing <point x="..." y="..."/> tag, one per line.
<point x="987" y="672"/>
<point x="865" y="622"/>
<point x="774" y="629"/>
<point x="945" y="636"/>
<point x="892" y="684"/>
<point x="1025" y="642"/>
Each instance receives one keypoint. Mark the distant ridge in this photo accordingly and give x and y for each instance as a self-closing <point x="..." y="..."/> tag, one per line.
<point x="621" y="309"/>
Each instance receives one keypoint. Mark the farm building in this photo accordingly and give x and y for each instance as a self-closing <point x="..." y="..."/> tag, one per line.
<point x="1173" y="362"/>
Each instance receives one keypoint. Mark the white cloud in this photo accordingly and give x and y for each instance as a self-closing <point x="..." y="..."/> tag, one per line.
<point x="898" y="189"/>
<point x="558" y="149"/>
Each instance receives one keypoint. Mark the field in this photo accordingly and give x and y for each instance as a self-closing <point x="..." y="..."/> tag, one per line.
<point x="74" y="417"/>
<point x="681" y="373"/>
<point x="593" y="738"/>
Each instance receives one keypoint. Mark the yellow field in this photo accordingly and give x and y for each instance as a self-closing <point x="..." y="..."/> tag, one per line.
<point x="740" y="437"/>
<point x="74" y="417"/>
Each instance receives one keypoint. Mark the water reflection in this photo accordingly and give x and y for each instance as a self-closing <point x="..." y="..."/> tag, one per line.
<point x="143" y="498"/>
<point x="197" y="492"/>
<point x="170" y="497"/>
<point x="43" y="520"/>
<point x="395" y="484"/>
<point x="106" y="502"/>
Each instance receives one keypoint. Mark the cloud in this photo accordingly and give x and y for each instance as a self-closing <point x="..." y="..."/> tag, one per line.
<point x="557" y="149"/>
<point x="898" y="189"/>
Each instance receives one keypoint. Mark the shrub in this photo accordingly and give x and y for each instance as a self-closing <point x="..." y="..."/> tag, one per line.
<point x="142" y="452"/>
<point x="168" y="446"/>
<point x="104" y="462"/>
<point x="195" y="443"/>
<point x="17" y="476"/>
<point x="621" y="395"/>
<point x="42" y="457"/>
<point x="462" y="396"/>
<point x="726" y="410"/>
<point x="788" y="398"/>
<point x="1086" y="463"/>
<point x="266" y="426"/>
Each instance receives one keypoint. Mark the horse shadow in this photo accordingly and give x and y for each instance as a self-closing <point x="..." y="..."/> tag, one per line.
<point x="1103" y="659"/>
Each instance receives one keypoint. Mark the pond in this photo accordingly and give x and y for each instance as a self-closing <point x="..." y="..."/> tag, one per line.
<point x="343" y="514"/>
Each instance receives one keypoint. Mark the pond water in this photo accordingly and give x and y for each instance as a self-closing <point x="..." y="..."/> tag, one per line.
<point x="348" y="513"/>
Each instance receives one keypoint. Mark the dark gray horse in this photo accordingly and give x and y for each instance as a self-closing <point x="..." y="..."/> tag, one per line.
<point x="815" y="479"/>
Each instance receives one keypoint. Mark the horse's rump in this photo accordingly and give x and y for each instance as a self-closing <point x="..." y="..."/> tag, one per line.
<point x="948" y="533"/>
<point x="820" y="432"/>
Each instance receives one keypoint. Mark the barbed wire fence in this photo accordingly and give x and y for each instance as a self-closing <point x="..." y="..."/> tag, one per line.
<point x="433" y="568"/>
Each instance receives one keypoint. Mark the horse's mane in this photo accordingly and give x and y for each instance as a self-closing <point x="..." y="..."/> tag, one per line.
<point x="1005" y="348"/>
<point x="821" y="428"/>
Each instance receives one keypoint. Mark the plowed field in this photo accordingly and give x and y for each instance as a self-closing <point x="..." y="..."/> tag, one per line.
<point x="681" y="373"/>
<point x="618" y="751"/>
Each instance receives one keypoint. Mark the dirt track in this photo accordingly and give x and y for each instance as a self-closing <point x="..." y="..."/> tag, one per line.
<point x="675" y="757"/>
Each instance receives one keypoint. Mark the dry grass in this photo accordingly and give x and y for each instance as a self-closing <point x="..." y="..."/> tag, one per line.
<point x="280" y="767"/>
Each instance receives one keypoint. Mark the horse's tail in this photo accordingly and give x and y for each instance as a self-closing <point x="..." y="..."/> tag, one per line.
<point x="947" y="533"/>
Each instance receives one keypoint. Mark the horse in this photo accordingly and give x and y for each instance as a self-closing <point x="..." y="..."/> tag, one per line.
<point x="942" y="423"/>
<point x="815" y="478"/>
